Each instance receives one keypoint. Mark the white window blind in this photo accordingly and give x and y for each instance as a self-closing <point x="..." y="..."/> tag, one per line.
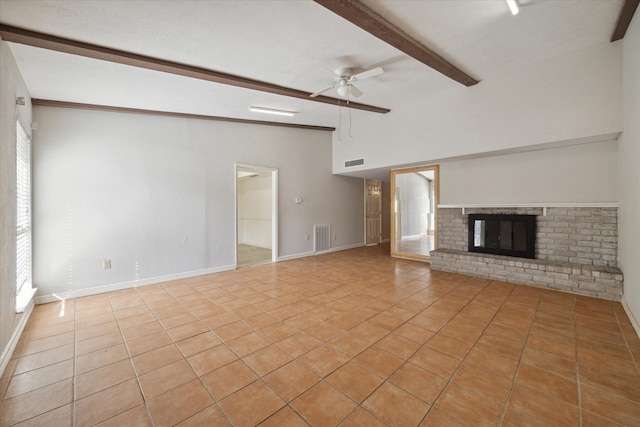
<point x="23" y="192"/>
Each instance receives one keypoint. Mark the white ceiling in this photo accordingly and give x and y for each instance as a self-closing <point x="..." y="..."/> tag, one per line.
<point x="289" y="43"/>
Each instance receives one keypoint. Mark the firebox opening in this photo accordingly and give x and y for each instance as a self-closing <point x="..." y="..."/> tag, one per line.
<point x="509" y="235"/>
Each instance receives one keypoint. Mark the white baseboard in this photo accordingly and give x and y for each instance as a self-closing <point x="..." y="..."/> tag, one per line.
<point x="295" y="256"/>
<point x="632" y="318"/>
<point x="306" y="254"/>
<point x="344" y="248"/>
<point x="77" y="293"/>
<point x="7" y="352"/>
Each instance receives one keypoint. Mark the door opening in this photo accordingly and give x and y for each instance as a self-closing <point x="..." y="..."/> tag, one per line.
<point x="256" y="215"/>
<point x="415" y="198"/>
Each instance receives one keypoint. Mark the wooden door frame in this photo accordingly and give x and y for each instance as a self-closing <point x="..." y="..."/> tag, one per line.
<point x="392" y="197"/>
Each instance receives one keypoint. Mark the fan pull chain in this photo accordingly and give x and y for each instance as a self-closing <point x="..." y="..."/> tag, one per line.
<point x="351" y="136"/>
<point x="339" y="120"/>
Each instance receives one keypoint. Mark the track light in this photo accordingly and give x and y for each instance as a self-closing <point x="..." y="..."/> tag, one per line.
<point x="271" y="111"/>
<point x="513" y="6"/>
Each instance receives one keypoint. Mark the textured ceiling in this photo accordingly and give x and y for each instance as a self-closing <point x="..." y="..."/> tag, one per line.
<point x="289" y="43"/>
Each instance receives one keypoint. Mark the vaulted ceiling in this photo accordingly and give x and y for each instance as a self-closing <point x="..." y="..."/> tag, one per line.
<point x="291" y="46"/>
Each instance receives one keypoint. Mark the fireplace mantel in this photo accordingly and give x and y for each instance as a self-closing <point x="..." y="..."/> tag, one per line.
<point x="544" y="206"/>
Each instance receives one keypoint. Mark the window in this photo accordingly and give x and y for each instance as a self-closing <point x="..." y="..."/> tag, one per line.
<point x="24" y="290"/>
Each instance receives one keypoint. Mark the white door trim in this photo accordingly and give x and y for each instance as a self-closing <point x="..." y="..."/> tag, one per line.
<point x="274" y="207"/>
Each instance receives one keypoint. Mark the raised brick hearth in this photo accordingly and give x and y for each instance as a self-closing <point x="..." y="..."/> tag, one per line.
<point x="576" y="250"/>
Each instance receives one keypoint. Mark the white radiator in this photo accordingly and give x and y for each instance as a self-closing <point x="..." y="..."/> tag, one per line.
<point x="322" y="238"/>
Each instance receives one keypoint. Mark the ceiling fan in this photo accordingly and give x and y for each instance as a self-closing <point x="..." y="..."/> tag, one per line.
<point x="344" y="82"/>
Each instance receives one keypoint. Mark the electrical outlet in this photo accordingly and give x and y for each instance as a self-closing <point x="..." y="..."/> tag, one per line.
<point x="334" y="237"/>
<point x="106" y="264"/>
<point x="306" y="237"/>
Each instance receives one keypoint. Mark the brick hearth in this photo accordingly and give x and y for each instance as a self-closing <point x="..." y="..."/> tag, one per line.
<point x="576" y="250"/>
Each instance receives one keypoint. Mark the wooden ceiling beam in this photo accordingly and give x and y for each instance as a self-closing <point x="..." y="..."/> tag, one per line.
<point x="360" y="15"/>
<point x="113" y="109"/>
<point x="73" y="47"/>
<point x="624" y="19"/>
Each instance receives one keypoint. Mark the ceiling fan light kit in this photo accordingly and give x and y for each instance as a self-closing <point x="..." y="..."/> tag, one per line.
<point x="344" y="82"/>
<point x="343" y="89"/>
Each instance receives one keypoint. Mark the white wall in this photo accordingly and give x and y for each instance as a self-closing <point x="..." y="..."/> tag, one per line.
<point x="574" y="96"/>
<point x="629" y="173"/>
<point x="156" y="195"/>
<point x="585" y="173"/>
<point x="11" y="87"/>
<point x="254" y="211"/>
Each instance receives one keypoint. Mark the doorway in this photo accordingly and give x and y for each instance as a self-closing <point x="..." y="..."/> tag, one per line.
<point x="256" y="215"/>
<point x="414" y="212"/>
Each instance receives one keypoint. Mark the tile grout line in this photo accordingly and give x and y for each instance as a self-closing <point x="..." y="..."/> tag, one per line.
<point x="626" y="341"/>
<point x="135" y="371"/>
<point x="372" y="292"/>
<point x="215" y="401"/>
<point x="156" y="318"/>
<point x="450" y="380"/>
<point x="515" y="375"/>
<point x="12" y="375"/>
<point x="575" y="332"/>
<point x="359" y="405"/>
<point x="324" y="379"/>
<point x="126" y="346"/>
<point x="623" y="335"/>
<point x="262" y="377"/>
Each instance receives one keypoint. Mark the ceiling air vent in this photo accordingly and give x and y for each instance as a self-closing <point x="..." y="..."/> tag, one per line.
<point x="350" y="163"/>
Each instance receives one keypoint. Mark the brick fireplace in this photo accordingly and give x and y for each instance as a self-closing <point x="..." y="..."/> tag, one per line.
<point x="575" y="249"/>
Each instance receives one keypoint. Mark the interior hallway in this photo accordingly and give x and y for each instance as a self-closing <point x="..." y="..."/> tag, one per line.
<point x="353" y="337"/>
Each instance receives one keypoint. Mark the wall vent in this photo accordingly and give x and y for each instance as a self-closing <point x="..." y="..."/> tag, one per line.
<point x="322" y="238"/>
<point x="350" y="163"/>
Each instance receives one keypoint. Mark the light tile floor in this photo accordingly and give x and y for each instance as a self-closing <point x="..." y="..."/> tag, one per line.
<point x="422" y="244"/>
<point x="352" y="338"/>
<point x="252" y="255"/>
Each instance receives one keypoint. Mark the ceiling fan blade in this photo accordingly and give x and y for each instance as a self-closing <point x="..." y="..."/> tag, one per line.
<point x="366" y="74"/>
<point x="333" y="72"/>
<point x="354" y="91"/>
<point x="313" y="95"/>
